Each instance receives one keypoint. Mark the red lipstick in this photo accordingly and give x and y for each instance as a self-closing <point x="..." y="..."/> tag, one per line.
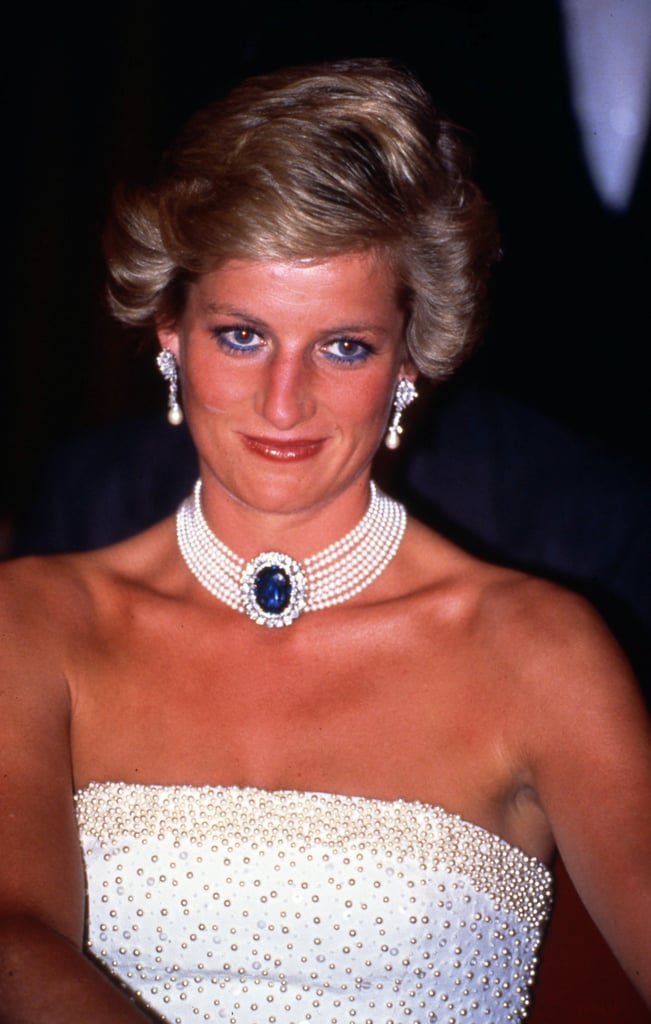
<point x="284" y="451"/>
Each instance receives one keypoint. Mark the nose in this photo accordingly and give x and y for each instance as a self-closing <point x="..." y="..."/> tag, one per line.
<point x="285" y="397"/>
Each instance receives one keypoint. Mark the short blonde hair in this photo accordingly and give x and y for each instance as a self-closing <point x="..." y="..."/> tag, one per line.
<point x="308" y="163"/>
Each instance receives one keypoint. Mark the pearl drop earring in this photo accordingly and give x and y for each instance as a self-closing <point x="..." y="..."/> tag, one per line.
<point x="167" y="365"/>
<point x="404" y="396"/>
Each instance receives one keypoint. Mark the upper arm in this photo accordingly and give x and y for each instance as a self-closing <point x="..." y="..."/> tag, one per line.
<point x="41" y="873"/>
<point x="589" y="749"/>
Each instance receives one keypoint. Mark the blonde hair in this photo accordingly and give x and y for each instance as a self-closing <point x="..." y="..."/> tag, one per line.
<point x="308" y="163"/>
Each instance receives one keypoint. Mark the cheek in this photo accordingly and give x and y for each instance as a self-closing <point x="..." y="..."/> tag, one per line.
<point x="208" y="384"/>
<point x="366" y="407"/>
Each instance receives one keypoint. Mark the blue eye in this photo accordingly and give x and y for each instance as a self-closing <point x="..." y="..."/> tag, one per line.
<point x="348" y="350"/>
<point x="237" y="338"/>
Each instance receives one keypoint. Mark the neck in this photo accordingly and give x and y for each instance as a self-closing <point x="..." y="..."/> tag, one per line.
<point x="297" y="530"/>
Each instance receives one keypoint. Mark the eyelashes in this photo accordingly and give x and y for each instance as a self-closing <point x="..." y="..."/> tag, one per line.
<point x="349" y="350"/>
<point x="237" y="338"/>
<point x="241" y="339"/>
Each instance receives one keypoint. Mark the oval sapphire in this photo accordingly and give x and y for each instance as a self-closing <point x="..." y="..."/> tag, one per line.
<point x="273" y="589"/>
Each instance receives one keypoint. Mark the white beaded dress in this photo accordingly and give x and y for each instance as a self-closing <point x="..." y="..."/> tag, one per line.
<point x="245" y="906"/>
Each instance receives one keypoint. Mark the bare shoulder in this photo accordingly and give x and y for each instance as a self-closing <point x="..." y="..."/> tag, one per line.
<point x="50" y="575"/>
<point x="48" y="601"/>
<point x="538" y="636"/>
<point x="38" y="597"/>
<point x="35" y="587"/>
<point x="554" y="642"/>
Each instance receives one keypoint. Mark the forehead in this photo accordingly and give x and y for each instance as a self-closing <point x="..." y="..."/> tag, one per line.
<point x="360" y="285"/>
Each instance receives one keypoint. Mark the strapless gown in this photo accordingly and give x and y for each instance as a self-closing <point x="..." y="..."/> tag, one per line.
<point x="252" y="907"/>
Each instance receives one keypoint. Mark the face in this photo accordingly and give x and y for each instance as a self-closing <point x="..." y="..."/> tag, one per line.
<point x="288" y="372"/>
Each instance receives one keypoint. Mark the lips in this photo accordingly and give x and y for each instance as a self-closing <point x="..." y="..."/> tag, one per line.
<point x="284" y="451"/>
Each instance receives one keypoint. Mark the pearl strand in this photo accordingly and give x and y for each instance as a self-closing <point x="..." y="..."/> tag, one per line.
<point x="273" y="589"/>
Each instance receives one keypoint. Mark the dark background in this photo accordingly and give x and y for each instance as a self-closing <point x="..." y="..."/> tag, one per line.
<point x="93" y="95"/>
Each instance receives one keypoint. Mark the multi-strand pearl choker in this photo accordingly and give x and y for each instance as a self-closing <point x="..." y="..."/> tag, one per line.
<point x="273" y="589"/>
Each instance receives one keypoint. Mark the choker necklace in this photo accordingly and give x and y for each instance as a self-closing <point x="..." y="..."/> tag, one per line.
<point x="273" y="589"/>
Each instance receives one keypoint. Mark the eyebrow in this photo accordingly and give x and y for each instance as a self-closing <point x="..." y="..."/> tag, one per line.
<point x="232" y="311"/>
<point x="223" y="309"/>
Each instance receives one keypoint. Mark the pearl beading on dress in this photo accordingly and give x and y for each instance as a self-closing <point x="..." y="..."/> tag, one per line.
<point x="241" y="905"/>
<point x="328" y="578"/>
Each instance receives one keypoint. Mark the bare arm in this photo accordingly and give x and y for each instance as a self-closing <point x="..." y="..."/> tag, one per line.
<point x="44" y="976"/>
<point x="590" y="754"/>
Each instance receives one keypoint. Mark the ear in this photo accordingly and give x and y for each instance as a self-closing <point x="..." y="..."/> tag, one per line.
<point x="168" y="337"/>
<point x="408" y="370"/>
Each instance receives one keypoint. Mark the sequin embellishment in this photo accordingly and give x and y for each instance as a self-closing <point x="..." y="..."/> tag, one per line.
<point x="254" y="907"/>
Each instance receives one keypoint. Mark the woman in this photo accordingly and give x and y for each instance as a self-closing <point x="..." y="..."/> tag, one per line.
<point x="320" y="756"/>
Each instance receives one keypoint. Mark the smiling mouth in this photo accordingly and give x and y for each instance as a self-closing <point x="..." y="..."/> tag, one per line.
<point x="284" y="451"/>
